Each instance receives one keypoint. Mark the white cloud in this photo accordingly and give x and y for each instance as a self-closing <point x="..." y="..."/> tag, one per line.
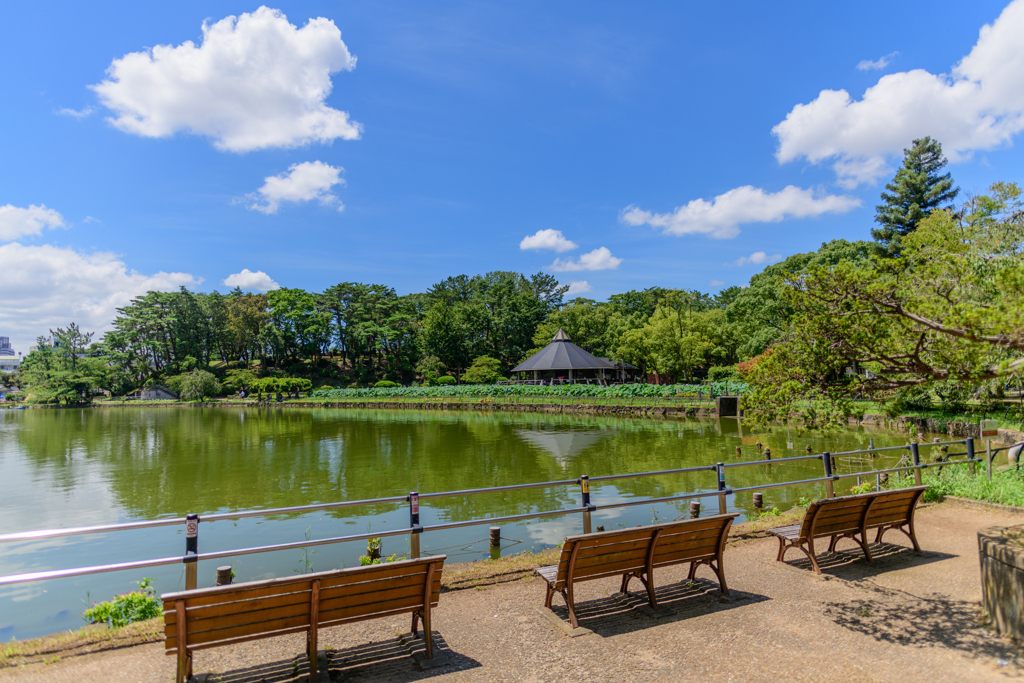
<point x="577" y="287"/>
<point x="757" y="258"/>
<point x="90" y="219"/>
<point x="46" y="287"/>
<point x="978" y="106"/>
<point x="16" y="222"/>
<point x="547" y="239"/>
<point x="721" y="217"/>
<point x="78" y="114"/>
<point x="254" y="82"/>
<point x="716" y="283"/>
<point x="880" y="63"/>
<point x="599" y="259"/>
<point x="302" y="183"/>
<point x="248" y="280"/>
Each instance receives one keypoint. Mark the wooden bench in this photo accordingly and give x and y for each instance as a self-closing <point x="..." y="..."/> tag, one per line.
<point x="225" y="615"/>
<point x="852" y="517"/>
<point x="635" y="553"/>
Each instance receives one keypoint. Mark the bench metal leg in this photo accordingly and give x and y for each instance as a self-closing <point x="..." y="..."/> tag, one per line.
<point x="570" y="602"/>
<point x="811" y="554"/>
<point x="428" y="637"/>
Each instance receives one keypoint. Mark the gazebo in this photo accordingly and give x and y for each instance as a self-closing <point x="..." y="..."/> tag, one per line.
<point x="561" y="355"/>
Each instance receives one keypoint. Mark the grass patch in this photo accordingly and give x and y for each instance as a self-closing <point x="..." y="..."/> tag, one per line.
<point x="50" y="649"/>
<point x="1006" y="487"/>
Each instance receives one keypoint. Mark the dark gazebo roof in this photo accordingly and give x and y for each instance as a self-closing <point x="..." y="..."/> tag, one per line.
<point x="562" y="354"/>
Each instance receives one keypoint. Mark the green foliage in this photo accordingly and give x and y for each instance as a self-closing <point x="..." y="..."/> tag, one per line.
<point x="197" y="385"/>
<point x="446" y="380"/>
<point x="484" y="370"/>
<point x="722" y="373"/>
<point x="709" y="390"/>
<point x="913" y="194"/>
<point x="385" y="384"/>
<point x="127" y="608"/>
<point x="866" y="487"/>
<point x="236" y="380"/>
<point x="1007" y="488"/>
<point x="945" y="316"/>
<point x="63" y="372"/>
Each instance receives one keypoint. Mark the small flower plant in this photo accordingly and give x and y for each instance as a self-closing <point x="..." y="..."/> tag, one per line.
<point x="127" y="608"/>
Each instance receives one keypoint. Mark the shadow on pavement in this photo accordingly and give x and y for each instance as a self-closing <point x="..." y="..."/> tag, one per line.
<point x="849" y="563"/>
<point x="617" y="613"/>
<point x="395" y="659"/>
<point x="931" y="620"/>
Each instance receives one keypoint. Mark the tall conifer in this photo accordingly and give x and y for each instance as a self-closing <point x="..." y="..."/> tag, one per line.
<point x="915" y="191"/>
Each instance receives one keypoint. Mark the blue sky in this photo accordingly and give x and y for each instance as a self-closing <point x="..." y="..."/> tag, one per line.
<point x="306" y="144"/>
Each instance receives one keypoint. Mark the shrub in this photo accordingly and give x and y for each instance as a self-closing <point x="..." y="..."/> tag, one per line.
<point x="127" y="608"/>
<point x="445" y="380"/>
<point x="721" y="373"/>
<point x="484" y="370"/>
<point x="569" y="390"/>
<point x="385" y="384"/>
<point x="197" y="385"/>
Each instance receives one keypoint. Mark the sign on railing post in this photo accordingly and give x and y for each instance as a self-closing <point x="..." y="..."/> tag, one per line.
<point x="989" y="431"/>
<point x="584" y="482"/>
<point x="191" y="550"/>
<point x="969" y="441"/>
<point x="414" y="524"/>
<point x="826" y="460"/>
<point x="723" y="504"/>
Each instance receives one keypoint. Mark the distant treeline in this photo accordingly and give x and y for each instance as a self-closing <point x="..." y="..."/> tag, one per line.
<point x="355" y="333"/>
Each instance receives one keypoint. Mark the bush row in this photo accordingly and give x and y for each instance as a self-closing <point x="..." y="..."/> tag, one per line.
<point x="711" y="389"/>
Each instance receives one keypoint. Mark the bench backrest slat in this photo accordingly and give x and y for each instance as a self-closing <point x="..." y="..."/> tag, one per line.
<point x="610" y="553"/>
<point x="848" y="514"/>
<point x="241" y="612"/>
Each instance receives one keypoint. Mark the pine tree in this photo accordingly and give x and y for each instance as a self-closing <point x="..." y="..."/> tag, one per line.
<point x="915" y="191"/>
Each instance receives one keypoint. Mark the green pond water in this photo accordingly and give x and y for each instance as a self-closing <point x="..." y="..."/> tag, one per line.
<point x="69" y="468"/>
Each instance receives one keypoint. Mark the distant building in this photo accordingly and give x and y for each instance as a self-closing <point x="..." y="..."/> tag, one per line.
<point x="8" y="359"/>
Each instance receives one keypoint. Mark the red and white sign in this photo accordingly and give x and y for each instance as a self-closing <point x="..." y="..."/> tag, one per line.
<point x="191" y="528"/>
<point x="415" y="503"/>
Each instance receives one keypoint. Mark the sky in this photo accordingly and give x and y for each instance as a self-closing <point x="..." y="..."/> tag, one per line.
<point x="617" y="146"/>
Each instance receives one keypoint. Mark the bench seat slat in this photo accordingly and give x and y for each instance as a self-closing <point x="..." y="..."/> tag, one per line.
<point x="387" y="571"/>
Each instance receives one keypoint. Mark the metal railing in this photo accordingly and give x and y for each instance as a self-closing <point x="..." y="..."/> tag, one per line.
<point x="720" y="491"/>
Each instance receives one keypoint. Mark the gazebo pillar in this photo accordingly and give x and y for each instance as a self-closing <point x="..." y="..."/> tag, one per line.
<point x="534" y="375"/>
<point x="570" y="374"/>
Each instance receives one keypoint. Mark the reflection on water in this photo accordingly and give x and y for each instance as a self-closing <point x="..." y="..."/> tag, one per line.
<point x="94" y="466"/>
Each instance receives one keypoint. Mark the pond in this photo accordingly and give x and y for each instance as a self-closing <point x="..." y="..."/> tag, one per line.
<point x="70" y="468"/>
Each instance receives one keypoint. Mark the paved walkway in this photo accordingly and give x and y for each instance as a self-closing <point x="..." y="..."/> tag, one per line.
<point x="902" y="618"/>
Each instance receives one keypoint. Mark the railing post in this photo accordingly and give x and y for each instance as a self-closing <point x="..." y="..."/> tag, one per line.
<point x="988" y="459"/>
<point x="723" y="504"/>
<point x="584" y="482"/>
<point x="191" y="550"/>
<point x="915" y="457"/>
<point x="414" y="524"/>
<point x="826" y="460"/>
<point x="969" y="442"/>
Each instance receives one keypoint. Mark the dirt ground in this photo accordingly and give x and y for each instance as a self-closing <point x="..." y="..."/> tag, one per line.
<point x="900" y="618"/>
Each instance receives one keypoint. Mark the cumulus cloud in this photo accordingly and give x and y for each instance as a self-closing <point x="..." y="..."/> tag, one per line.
<point x="599" y="259"/>
<point x="757" y="258"/>
<point x="251" y="281"/>
<point x="577" y="287"/>
<point x="46" y="287"/>
<point x="978" y="106"/>
<point x="547" y="239"/>
<point x="721" y="217"/>
<point x="301" y="183"/>
<point x="716" y="283"/>
<point x="78" y="114"/>
<point x="880" y="63"/>
<point x="16" y="222"/>
<point x="254" y="82"/>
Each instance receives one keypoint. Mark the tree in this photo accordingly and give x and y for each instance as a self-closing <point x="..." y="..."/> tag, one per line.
<point x="62" y="372"/>
<point x="484" y="370"/>
<point x="197" y="385"/>
<point x="915" y="191"/>
<point x="949" y="308"/>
